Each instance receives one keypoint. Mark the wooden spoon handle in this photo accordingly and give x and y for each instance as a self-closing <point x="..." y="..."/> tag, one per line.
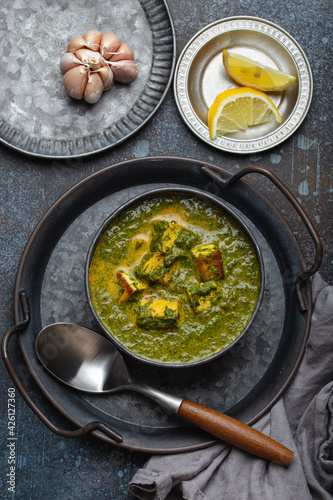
<point x="235" y="432"/>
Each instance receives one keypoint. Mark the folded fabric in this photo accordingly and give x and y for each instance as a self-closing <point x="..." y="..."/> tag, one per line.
<point x="302" y="420"/>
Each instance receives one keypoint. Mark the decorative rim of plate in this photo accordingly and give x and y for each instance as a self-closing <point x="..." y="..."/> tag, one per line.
<point x="226" y="25"/>
<point x="156" y="88"/>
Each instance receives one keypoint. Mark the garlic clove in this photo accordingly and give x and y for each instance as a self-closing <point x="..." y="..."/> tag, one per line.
<point x="124" y="71"/>
<point x="69" y="61"/>
<point x="76" y="43"/>
<point x="93" y="39"/>
<point x="75" y="81"/>
<point x="89" y="57"/>
<point x="107" y="77"/>
<point x="109" y="44"/>
<point x="124" y="52"/>
<point x="94" y="88"/>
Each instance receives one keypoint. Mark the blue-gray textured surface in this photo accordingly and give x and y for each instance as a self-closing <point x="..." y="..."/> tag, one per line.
<point x="53" y="468"/>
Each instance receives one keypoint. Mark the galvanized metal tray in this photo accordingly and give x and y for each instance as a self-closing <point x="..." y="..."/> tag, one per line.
<point x="244" y="383"/>
<point x="37" y="117"/>
<point x="200" y="77"/>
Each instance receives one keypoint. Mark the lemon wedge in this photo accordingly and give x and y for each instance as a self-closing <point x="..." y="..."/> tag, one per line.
<point x="252" y="74"/>
<point x="239" y="109"/>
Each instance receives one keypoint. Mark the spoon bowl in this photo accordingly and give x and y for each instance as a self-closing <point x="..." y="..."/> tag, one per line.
<point x="81" y="358"/>
<point x="86" y="361"/>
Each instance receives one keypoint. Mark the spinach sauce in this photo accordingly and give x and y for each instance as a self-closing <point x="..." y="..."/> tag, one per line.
<point x="140" y="251"/>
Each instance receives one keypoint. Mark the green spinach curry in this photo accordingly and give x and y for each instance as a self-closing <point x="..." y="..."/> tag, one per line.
<point x="174" y="279"/>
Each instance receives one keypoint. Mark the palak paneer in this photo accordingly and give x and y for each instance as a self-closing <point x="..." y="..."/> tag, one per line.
<point x="174" y="279"/>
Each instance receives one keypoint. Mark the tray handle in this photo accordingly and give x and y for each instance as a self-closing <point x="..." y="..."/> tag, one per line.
<point x="86" y="429"/>
<point x="224" y="184"/>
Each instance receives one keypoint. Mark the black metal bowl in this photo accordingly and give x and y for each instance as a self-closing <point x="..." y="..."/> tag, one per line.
<point x="161" y="192"/>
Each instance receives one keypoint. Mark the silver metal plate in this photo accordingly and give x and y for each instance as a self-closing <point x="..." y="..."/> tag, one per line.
<point x="200" y="76"/>
<point x="37" y="116"/>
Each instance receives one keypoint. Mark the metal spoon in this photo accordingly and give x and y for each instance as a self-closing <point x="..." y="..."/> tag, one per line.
<point x="83" y="359"/>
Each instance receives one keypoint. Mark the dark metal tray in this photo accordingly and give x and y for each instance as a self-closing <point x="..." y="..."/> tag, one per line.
<point x="243" y="383"/>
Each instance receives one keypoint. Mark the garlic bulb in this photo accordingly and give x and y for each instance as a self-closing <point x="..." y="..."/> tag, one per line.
<point x="93" y="63"/>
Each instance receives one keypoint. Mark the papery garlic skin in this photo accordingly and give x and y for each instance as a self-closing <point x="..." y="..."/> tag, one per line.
<point x="94" y="88"/>
<point x="69" y="61"/>
<point x="90" y="58"/>
<point x="94" y="62"/>
<point x="109" y="44"/>
<point x="124" y="52"/>
<point x="93" y="39"/>
<point x="125" y="71"/>
<point x="107" y="76"/>
<point x="75" y="81"/>
<point x="76" y="43"/>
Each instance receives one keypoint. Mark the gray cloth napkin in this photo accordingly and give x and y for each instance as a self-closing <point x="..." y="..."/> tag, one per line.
<point x="302" y="420"/>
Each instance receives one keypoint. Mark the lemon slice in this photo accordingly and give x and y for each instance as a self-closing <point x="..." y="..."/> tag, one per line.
<point x="239" y="109"/>
<point x="252" y="74"/>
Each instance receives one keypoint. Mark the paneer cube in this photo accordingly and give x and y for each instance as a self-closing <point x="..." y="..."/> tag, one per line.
<point x="130" y="285"/>
<point x="202" y="296"/>
<point x="209" y="262"/>
<point x="168" y="235"/>
<point x="155" y="313"/>
<point x="152" y="269"/>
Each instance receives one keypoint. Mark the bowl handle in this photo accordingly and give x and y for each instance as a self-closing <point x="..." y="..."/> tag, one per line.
<point x="91" y="426"/>
<point x="297" y="206"/>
